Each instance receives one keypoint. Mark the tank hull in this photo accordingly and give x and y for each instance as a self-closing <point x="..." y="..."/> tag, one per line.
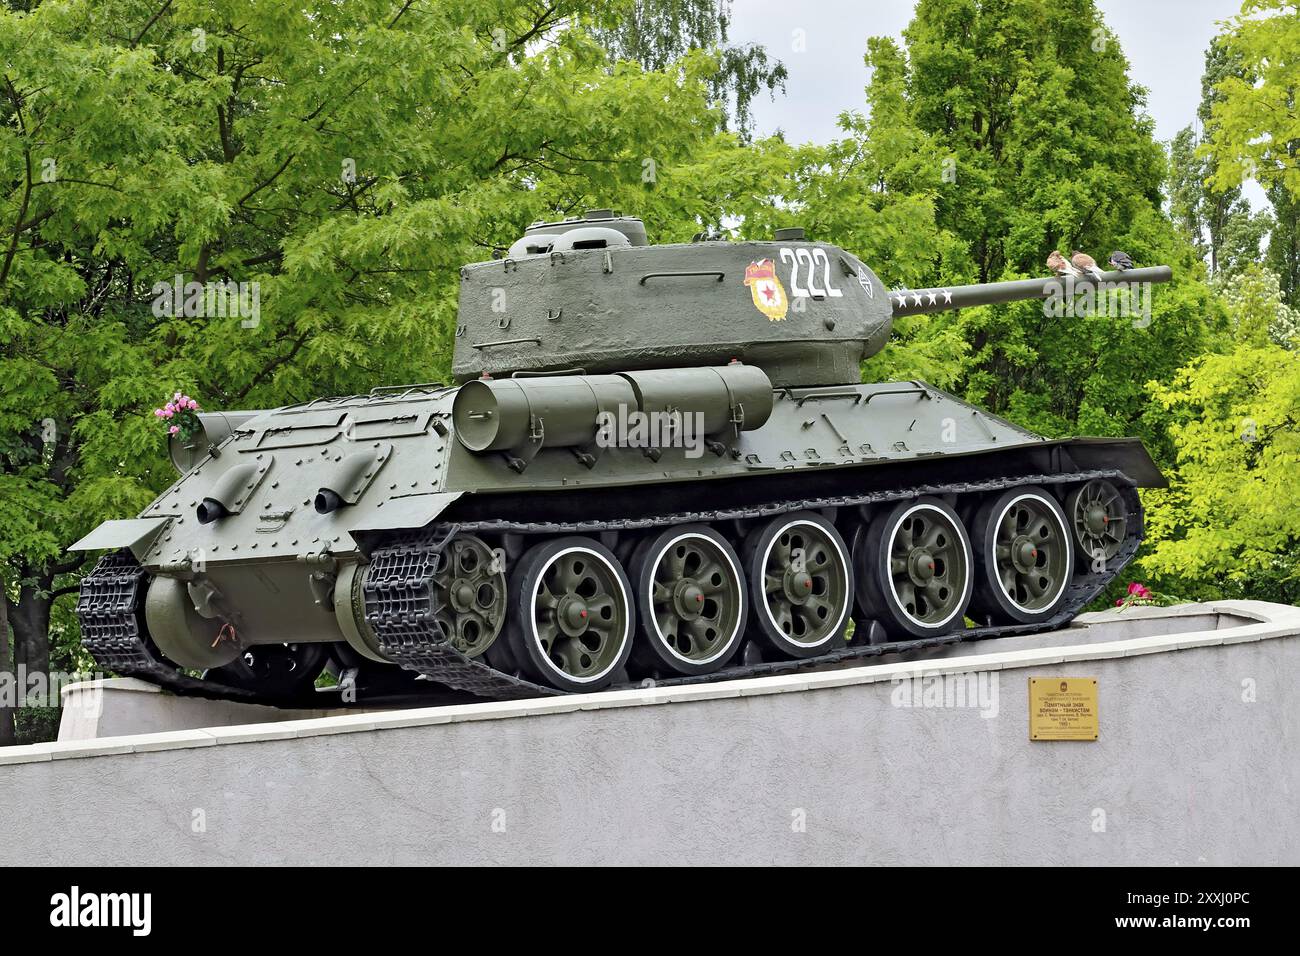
<point x="282" y="567"/>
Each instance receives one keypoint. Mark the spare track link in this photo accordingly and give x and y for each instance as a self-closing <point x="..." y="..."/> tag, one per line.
<point x="399" y="601"/>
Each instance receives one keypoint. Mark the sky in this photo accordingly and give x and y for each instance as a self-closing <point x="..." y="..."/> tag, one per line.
<point x="1164" y="41"/>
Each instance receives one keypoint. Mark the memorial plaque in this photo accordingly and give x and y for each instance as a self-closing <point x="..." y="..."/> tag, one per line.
<point x="1063" y="708"/>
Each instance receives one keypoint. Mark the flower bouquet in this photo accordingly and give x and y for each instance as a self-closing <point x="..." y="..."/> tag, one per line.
<point x="1139" y="595"/>
<point x="180" y="415"/>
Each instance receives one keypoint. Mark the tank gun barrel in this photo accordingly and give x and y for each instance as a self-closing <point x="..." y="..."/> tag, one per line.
<point x="922" y="301"/>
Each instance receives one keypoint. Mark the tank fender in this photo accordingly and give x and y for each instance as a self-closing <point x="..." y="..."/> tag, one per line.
<point x="137" y="534"/>
<point x="1128" y="455"/>
<point x="409" y="511"/>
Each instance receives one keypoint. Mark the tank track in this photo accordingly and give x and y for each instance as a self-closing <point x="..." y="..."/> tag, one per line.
<point x="111" y="609"/>
<point x="399" y="602"/>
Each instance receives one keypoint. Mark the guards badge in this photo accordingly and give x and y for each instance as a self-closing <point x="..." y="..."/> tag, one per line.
<point x="766" y="289"/>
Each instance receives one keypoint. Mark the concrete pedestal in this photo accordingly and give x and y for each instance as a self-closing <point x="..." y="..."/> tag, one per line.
<point x="1198" y="761"/>
<point x="123" y="706"/>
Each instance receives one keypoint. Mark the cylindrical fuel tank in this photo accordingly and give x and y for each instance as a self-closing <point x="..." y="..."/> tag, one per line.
<point x="216" y="427"/>
<point x="563" y="410"/>
<point x="497" y="415"/>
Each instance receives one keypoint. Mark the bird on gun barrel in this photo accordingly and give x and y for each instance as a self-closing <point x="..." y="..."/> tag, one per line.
<point x="1060" y="265"/>
<point x="1087" y="265"/>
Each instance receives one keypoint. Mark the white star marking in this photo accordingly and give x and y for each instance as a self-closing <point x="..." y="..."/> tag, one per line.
<point x="916" y="298"/>
<point x="947" y="297"/>
<point x="934" y="299"/>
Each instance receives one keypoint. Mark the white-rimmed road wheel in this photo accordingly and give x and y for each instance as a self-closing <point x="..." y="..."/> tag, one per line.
<point x="913" y="567"/>
<point x="1025" y="556"/>
<point x="691" y="600"/>
<point x="800" y="584"/>
<point x="570" y="614"/>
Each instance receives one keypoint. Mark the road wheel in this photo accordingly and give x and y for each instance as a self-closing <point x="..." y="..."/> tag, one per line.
<point x="1025" y="556"/>
<point x="914" y="569"/>
<point x="691" y="599"/>
<point x="570" y="614"/>
<point x="801" y="584"/>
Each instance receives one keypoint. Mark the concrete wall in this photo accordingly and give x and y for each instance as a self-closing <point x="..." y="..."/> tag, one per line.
<point x="124" y="706"/>
<point x="811" y="768"/>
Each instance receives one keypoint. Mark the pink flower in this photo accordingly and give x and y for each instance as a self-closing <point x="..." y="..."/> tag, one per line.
<point x="1119" y="602"/>
<point x="168" y="412"/>
<point x="174" y="429"/>
<point x="1136" y="588"/>
<point x="158" y="412"/>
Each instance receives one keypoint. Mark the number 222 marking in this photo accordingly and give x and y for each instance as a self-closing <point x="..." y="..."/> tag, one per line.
<point x="810" y="258"/>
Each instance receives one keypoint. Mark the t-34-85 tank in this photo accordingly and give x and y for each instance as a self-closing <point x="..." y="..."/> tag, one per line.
<point x="659" y="463"/>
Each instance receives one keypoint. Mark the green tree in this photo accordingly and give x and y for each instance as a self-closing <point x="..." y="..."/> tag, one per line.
<point x="1256" y="120"/>
<point x="1036" y="139"/>
<point x="1283" y="255"/>
<point x="1257" y="310"/>
<point x="346" y="158"/>
<point x="655" y="34"/>
<point x="1253" y="125"/>
<point x="1221" y="225"/>
<point x="1217" y="220"/>
<point x="1229" y="525"/>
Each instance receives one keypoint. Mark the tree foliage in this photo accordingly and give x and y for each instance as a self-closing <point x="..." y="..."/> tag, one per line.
<point x="1256" y="120"/>
<point x="1229" y="525"/>
<point x="655" y="33"/>
<point x="1218" y="220"/>
<point x="1017" y="121"/>
<point x="346" y="158"/>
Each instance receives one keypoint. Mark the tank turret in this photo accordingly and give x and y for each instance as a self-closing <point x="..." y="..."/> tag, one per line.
<point x="593" y="294"/>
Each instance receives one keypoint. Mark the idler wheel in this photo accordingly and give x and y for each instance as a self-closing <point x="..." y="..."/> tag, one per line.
<point x="1025" y="557"/>
<point x="914" y="569"/>
<point x="801" y="584"/>
<point x="691" y="600"/>
<point x="571" y="614"/>
<point x="1099" y="518"/>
